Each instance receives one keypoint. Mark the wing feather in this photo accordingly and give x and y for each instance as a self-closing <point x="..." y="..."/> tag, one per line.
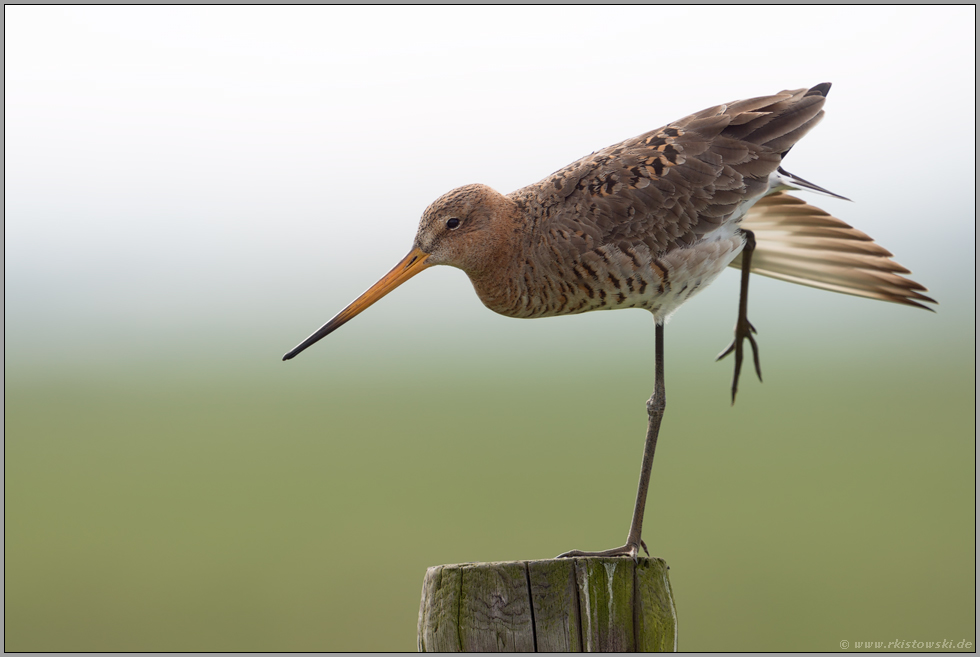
<point x="668" y="187"/>
<point x="799" y="243"/>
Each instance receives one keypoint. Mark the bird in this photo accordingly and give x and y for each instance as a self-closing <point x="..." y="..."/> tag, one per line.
<point x="647" y="223"/>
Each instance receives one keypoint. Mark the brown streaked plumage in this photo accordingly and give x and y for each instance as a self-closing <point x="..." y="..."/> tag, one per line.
<point x="647" y="223"/>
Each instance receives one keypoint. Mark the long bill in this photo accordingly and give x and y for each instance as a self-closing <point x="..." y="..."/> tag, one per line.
<point x="410" y="265"/>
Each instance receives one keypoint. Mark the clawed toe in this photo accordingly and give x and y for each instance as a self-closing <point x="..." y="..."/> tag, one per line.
<point x="743" y="331"/>
<point x="630" y="550"/>
<point x="743" y="327"/>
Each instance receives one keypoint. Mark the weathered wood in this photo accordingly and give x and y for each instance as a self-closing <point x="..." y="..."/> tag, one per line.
<point x="605" y="590"/>
<point x="494" y="609"/>
<point x="656" y="616"/>
<point x="554" y="592"/>
<point x="440" y="609"/>
<point x="586" y="604"/>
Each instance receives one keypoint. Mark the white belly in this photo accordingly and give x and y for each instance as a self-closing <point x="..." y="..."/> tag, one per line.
<point x="694" y="268"/>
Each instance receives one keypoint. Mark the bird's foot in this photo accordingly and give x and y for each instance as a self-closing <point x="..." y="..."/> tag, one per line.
<point x="743" y="330"/>
<point x="631" y="550"/>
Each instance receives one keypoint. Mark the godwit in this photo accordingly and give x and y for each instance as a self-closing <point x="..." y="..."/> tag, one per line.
<point x="646" y="223"/>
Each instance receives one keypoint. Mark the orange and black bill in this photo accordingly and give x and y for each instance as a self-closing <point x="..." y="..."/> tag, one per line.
<point x="410" y="265"/>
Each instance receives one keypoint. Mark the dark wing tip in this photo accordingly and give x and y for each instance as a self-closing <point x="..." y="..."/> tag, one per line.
<point x="819" y="90"/>
<point x="922" y="297"/>
<point x="915" y="304"/>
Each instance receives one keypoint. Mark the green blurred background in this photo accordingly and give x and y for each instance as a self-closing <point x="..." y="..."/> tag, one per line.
<point x="192" y="191"/>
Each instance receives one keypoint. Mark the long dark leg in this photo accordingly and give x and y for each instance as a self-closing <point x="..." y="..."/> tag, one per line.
<point x="743" y="327"/>
<point x="655" y="413"/>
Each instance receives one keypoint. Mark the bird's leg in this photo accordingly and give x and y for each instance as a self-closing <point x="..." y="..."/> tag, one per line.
<point x="655" y="413"/>
<point x="743" y="327"/>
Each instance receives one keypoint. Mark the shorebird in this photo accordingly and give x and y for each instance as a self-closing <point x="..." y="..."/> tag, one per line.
<point x="646" y="223"/>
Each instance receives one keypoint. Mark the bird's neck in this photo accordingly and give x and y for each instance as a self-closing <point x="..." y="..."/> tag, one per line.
<point x="503" y="284"/>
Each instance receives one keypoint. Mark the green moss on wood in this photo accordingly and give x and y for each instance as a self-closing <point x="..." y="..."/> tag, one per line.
<point x="554" y="605"/>
<point x="656" y="615"/>
<point x="605" y="589"/>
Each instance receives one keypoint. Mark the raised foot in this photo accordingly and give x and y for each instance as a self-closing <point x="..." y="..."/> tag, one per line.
<point x="630" y="550"/>
<point x="743" y="330"/>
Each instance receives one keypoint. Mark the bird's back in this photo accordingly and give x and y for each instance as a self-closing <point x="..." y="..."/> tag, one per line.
<point x="648" y="221"/>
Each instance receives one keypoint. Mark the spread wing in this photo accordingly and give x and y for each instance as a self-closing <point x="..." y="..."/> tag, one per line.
<point x="670" y="186"/>
<point x="800" y="243"/>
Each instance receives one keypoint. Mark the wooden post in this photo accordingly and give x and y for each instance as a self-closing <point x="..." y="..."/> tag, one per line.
<point x="587" y="604"/>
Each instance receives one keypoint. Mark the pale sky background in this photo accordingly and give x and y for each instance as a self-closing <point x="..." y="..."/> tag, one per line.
<point x="217" y="182"/>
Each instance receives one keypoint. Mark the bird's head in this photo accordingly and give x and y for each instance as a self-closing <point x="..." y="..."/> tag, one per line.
<point x="466" y="228"/>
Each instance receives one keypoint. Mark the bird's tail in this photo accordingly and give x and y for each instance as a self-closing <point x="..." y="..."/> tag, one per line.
<point x="799" y="243"/>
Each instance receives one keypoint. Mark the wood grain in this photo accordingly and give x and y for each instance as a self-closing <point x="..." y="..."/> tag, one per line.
<point x="554" y="605"/>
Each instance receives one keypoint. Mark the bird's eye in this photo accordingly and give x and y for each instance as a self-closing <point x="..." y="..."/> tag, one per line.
<point x="452" y="223"/>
